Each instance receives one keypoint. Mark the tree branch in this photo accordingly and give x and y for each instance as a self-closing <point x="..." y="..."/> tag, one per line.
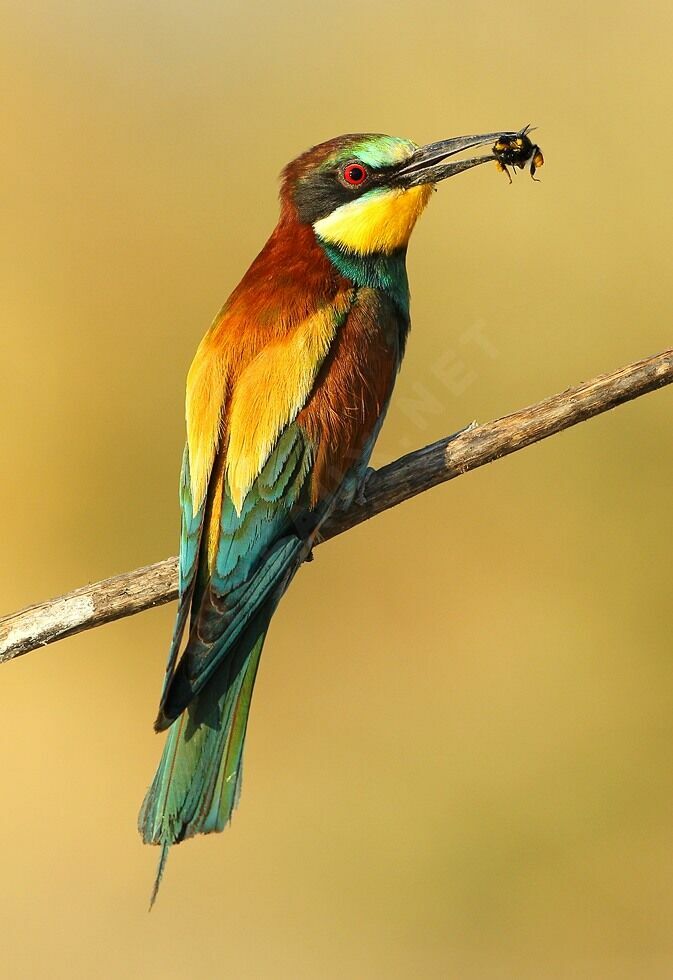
<point x="153" y="585"/>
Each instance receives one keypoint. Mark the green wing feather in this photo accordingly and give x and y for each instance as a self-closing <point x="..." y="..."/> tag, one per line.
<point x="190" y="540"/>
<point x="198" y="780"/>
<point x="259" y="550"/>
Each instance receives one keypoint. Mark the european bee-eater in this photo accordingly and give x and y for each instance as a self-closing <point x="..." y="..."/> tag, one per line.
<point x="285" y="399"/>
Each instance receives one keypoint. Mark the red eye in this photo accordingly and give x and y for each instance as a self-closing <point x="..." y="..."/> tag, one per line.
<point x="354" y="174"/>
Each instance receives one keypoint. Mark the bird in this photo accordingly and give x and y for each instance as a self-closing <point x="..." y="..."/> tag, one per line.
<point x="285" y="399"/>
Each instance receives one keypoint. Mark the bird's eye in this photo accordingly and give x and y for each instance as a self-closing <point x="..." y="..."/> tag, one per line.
<point x="354" y="174"/>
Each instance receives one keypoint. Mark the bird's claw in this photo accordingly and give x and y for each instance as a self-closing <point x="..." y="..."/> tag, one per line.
<point x="360" y="497"/>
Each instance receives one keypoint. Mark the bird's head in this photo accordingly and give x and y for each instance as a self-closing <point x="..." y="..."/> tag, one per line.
<point x="363" y="193"/>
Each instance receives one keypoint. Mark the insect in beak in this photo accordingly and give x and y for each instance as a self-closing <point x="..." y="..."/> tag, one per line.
<point x="518" y="152"/>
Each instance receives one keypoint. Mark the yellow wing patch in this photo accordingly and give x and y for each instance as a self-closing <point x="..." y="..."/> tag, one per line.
<point x="206" y="384"/>
<point x="381" y="221"/>
<point x="272" y="390"/>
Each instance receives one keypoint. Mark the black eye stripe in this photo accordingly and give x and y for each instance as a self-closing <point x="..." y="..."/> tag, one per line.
<point x="323" y="191"/>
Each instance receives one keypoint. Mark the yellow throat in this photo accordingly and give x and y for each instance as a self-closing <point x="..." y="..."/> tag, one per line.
<point x="380" y="221"/>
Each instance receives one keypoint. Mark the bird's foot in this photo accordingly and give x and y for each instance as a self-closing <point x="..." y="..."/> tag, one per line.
<point x="316" y="538"/>
<point x="360" y="497"/>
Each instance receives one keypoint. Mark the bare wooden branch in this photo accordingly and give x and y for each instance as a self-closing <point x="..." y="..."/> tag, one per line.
<point x="153" y="585"/>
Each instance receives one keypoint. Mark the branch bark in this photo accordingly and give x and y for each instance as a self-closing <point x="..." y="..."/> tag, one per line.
<point x="143" y="588"/>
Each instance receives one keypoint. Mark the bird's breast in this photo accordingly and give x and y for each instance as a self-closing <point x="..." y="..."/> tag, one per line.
<point x="353" y="388"/>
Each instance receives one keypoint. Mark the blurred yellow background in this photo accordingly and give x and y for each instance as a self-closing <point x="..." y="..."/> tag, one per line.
<point x="458" y="763"/>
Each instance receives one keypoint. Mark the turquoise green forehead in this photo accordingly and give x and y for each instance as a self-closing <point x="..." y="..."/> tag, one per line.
<point x="377" y="151"/>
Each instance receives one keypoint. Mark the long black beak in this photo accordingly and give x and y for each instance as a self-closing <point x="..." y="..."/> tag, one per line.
<point x="431" y="163"/>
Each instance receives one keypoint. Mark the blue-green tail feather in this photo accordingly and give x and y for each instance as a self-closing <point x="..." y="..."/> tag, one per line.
<point x="207" y="691"/>
<point x="197" y="784"/>
<point x="160" y="873"/>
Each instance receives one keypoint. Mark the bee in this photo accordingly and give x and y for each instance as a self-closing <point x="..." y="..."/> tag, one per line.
<point x="517" y="151"/>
